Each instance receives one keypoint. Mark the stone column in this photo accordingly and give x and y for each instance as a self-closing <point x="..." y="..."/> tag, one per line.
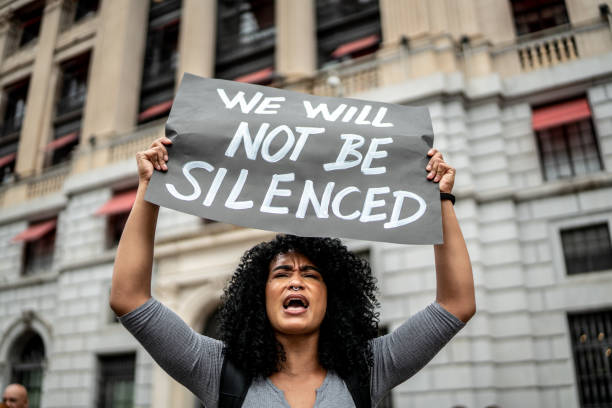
<point x="408" y="18"/>
<point x="197" y="38"/>
<point x="36" y="125"/>
<point x="296" y="45"/>
<point x="115" y="74"/>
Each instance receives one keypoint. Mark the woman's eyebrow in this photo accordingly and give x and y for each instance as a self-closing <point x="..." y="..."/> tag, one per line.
<point x="282" y="267"/>
<point x="307" y="267"/>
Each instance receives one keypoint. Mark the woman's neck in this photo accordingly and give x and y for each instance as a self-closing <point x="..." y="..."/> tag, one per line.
<point x="301" y="354"/>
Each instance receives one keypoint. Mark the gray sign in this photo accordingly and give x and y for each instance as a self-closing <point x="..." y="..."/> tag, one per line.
<point x="285" y="161"/>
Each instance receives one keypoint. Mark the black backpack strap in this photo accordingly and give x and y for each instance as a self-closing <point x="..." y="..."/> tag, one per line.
<point x="234" y="386"/>
<point x="360" y="394"/>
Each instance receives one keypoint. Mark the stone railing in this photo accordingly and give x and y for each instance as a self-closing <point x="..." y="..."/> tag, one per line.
<point x="124" y="147"/>
<point x="548" y="51"/>
<point x="551" y="47"/>
<point x="347" y="79"/>
<point x="50" y="181"/>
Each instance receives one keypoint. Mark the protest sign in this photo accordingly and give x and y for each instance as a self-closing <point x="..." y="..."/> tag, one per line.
<point x="285" y="161"/>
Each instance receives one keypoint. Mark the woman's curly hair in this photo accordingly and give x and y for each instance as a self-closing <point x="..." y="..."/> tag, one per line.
<point x="349" y="323"/>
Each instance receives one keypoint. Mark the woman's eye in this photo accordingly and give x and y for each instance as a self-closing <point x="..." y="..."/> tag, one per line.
<point x="281" y="275"/>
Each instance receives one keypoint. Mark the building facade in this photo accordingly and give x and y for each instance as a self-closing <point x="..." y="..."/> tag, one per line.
<point x="520" y="95"/>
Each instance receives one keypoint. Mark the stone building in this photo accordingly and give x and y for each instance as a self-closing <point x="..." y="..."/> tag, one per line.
<point x="520" y="94"/>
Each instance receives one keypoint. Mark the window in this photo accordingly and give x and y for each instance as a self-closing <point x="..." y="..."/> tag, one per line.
<point x="85" y="8"/>
<point x="39" y="240"/>
<point x="587" y="248"/>
<point x="117" y="210"/>
<point x="591" y="335"/>
<point x="531" y="16"/>
<point x="116" y="381"/>
<point x="15" y="97"/>
<point x="245" y="40"/>
<point x="566" y="139"/>
<point x="161" y="60"/>
<point x="347" y="29"/>
<point x="14" y="104"/>
<point x="69" y="109"/>
<point x="28" y="356"/>
<point x="29" y="19"/>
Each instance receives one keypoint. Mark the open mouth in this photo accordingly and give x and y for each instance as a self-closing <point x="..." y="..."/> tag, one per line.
<point x="295" y="302"/>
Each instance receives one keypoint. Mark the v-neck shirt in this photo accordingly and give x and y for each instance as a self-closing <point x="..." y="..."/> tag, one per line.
<point x="195" y="360"/>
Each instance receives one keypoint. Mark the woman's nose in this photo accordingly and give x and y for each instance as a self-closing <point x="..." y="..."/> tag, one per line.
<point x="296" y="284"/>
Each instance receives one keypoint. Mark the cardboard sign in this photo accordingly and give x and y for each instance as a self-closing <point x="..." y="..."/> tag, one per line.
<point x="272" y="159"/>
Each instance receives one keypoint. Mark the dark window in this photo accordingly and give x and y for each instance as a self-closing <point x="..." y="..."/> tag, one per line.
<point x="69" y="109"/>
<point x="566" y="139"/>
<point x="587" y="248"/>
<point x="39" y="247"/>
<point x="116" y="381"/>
<point x="161" y="60"/>
<point x="347" y="29"/>
<point x="531" y="16"/>
<point x="117" y="209"/>
<point x="85" y="8"/>
<point x="569" y="150"/>
<point x="114" y="228"/>
<point x="591" y="335"/>
<point x="28" y="21"/>
<point x="14" y="109"/>
<point x="27" y="365"/>
<point x="245" y="39"/>
<point x="14" y="104"/>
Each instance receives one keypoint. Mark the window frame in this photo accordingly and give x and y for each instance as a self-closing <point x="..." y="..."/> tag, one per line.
<point x="558" y="257"/>
<point x="539" y="11"/>
<point x="570" y="329"/>
<point x="563" y="128"/>
<point x="33" y="249"/>
<point x="252" y="56"/>
<point x="157" y="88"/>
<point x="119" y="374"/>
<point x="18" y="369"/>
<point x="569" y="270"/>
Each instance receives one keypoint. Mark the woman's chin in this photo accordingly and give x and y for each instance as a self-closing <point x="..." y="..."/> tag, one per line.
<point x="296" y="329"/>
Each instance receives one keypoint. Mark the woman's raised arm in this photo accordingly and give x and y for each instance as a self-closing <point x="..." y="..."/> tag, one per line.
<point x="131" y="284"/>
<point x="455" y="283"/>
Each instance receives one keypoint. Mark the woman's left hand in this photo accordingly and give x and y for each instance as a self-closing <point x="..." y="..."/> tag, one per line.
<point x="440" y="172"/>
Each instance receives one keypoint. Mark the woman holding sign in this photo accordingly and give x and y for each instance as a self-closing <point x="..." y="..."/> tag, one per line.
<point x="298" y="318"/>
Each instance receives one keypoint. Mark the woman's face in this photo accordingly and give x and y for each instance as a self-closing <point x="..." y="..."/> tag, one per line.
<point x="296" y="295"/>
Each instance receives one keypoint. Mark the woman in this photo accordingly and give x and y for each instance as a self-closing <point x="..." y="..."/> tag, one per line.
<point x="298" y="315"/>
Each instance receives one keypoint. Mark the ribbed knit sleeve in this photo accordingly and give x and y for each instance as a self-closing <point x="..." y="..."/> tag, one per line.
<point x="400" y="354"/>
<point x="190" y="358"/>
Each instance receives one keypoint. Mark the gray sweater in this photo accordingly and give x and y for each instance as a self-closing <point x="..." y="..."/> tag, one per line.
<point x="195" y="360"/>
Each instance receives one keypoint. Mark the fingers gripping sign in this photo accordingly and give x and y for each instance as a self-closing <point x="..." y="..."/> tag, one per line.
<point x="155" y="157"/>
<point x="440" y="172"/>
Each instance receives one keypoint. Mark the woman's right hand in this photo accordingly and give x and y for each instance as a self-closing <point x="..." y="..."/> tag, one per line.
<point x="155" y="157"/>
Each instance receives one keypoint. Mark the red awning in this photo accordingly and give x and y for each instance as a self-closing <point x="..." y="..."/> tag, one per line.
<point x="36" y="231"/>
<point x="257" y="77"/>
<point x="120" y="203"/>
<point x="62" y="141"/>
<point x="155" y="110"/>
<point x="4" y="160"/>
<point x="355" y="46"/>
<point x="560" y="114"/>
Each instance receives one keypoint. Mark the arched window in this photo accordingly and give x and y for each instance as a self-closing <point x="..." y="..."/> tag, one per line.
<point x="27" y="363"/>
